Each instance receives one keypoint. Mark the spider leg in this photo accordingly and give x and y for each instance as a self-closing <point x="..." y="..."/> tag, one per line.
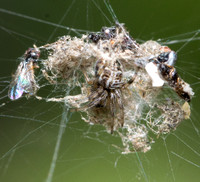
<point x="89" y="82"/>
<point x="118" y="85"/>
<point x="129" y="82"/>
<point x="97" y="96"/>
<point x="112" y="110"/>
<point x="121" y="105"/>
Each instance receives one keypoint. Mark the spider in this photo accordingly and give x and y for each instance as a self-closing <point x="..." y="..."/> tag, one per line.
<point x="165" y="62"/>
<point x="106" y="90"/>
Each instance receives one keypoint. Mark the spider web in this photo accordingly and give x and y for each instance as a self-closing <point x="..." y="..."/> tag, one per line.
<point x="44" y="141"/>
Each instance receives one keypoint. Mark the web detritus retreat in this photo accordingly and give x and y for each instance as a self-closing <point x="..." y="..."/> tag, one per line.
<point x="130" y="88"/>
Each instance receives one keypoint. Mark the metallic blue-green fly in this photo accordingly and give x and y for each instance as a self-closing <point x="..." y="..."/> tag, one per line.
<point x="24" y="79"/>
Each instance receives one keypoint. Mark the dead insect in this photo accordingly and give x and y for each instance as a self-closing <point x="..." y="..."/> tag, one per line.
<point x="23" y="80"/>
<point x="106" y="33"/>
<point x="165" y="62"/>
<point x="168" y="58"/>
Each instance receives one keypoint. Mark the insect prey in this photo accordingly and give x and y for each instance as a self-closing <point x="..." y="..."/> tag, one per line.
<point x="24" y="79"/>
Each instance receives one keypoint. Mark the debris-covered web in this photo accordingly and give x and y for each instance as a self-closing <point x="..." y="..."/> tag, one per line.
<point x="131" y="88"/>
<point x="121" y="85"/>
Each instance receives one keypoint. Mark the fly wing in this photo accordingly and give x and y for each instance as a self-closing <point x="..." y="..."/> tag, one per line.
<point x="16" y="90"/>
<point x="28" y="82"/>
<point x="23" y="81"/>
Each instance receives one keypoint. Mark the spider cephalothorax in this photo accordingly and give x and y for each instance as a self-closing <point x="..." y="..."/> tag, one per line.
<point x="106" y="90"/>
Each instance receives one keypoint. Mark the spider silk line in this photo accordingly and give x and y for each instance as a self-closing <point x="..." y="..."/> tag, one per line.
<point x="61" y="20"/>
<point x="63" y="123"/>
<point x="188" y="161"/>
<point x="141" y="165"/>
<point x="42" y="21"/>
<point x="107" y="3"/>
<point x="23" y="139"/>
<point x="102" y="12"/>
<point x="11" y="32"/>
<point x="169" y="159"/>
<point x="188" y="41"/>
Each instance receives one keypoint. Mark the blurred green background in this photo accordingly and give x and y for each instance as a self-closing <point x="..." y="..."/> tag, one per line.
<point x="29" y="128"/>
